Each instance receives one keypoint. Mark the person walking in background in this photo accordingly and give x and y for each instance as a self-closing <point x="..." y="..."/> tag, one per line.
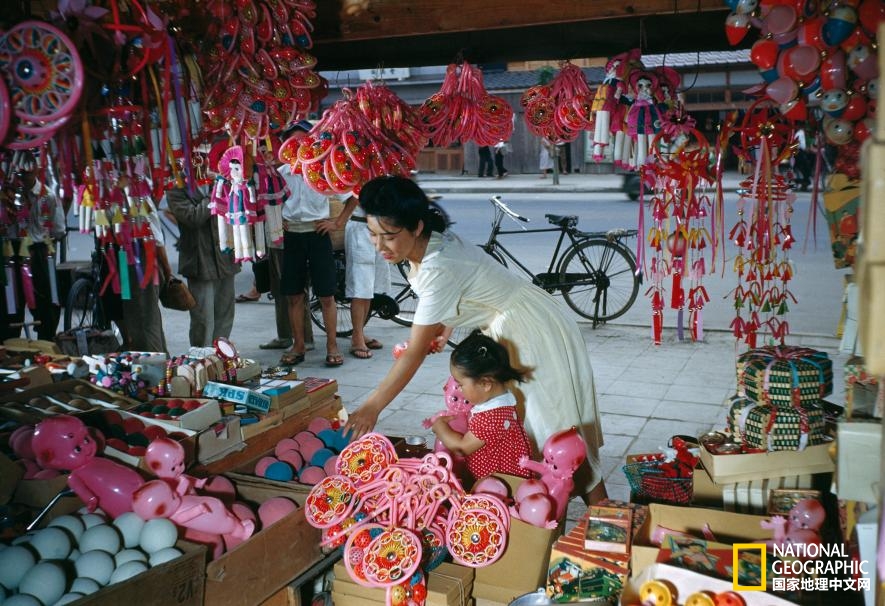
<point x="210" y="272"/>
<point x="545" y="157"/>
<point x="307" y="253"/>
<point x="500" y="150"/>
<point x="485" y="161"/>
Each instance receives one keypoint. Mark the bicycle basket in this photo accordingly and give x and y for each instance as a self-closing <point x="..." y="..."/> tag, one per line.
<point x="647" y="481"/>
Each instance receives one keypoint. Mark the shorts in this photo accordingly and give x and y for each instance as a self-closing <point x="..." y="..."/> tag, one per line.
<point x="367" y="271"/>
<point x="305" y="253"/>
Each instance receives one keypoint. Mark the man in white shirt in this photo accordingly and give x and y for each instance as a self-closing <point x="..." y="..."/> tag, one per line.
<point x="307" y="251"/>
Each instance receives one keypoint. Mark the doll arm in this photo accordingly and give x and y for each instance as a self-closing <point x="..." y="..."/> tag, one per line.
<point x="80" y="488"/>
<point x="533" y="466"/>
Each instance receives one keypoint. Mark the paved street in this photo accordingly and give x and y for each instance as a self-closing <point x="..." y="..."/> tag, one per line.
<point x="646" y="393"/>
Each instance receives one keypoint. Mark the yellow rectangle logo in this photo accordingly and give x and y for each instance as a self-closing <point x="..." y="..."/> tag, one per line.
<point x="735" y="566"/>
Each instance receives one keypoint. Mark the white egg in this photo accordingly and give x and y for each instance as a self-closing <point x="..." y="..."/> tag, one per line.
<point x="46" y="581"/>
<point x="23" y="539"/>
<point x="129" y="525"/>
<point x="22" y="599"/>
<point x="68" y="598"/>
<point x="157" y="534"/>
<point x="98" y="565"/>
<point x="75" y="553"/>
<point x="52" y="543"/>
<point x="129" y="555"/>
<point x="101" y="536"/>
<point x="164" y="555"/>
<point x="84" y="585"/>
<point x="91" y="519"/>
<point x="15" y="561"/>
<point x="127" y="571"/>
<point x="72" y="524"/>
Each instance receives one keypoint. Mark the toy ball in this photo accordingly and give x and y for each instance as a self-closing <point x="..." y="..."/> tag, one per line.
<point x="157" y="534"/>
<point x="128" y="570"/>
<point x="46" y="581"/>
<point x="807" y="513"/>
<point x="284" y="445"/>
<point x="330" y="466"/>
<point x="493" y="486"/>
<point x="329" y="437"/>
<point x="320" y="457"/>
<point x="309" y="446"/>
<point x="301" y="436"/>
<point x="293" y="458"/>
<point x="262" y="465"/>
<point x="537" y="509"/>
<point x="318" y="425"/>
<point x="15" y="561"/>
<point x="279" y="471"/>
<point x="275" y="509"/>
<point x="529" y="487"/>
<point x="221" y="488"/>
<point x="311" y="475"/>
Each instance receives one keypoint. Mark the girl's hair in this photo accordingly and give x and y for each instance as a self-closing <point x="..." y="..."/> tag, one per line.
<point x="400" y="202"/>
<point x="479" y="356"/>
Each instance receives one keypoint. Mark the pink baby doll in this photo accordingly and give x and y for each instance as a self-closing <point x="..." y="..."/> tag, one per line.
<point x="801" y="526"/>
<point x="563" y="453"/>
<point x="64" y="442"/>
<point x="457" y="412"/>
<point x="494" y="440"/>
<point x="165" y="458"/>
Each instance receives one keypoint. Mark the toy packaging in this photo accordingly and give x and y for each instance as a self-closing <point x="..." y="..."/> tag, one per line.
<point x="608" y="529"/>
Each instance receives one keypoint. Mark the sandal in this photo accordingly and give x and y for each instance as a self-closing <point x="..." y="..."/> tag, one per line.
<point x="291" y="358"/>
<point x="334" y="359"/>
<point x="244" y="298"/>
<point x="359" y="352"/>
<point x="374" y="344"/>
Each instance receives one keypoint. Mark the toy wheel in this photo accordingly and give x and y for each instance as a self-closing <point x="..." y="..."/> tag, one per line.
<point x="392" y="557"/>
<point x="476" y="538"/>
<point x="355" y="550"/>
<point x="364" y="460"/>
<point x="330" y="502"/>
<point x="45" y="71"/>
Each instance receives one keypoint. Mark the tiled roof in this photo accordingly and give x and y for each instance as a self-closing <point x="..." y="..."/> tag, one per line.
<point x="693" y="59"/>
<point x="524" y="79"/>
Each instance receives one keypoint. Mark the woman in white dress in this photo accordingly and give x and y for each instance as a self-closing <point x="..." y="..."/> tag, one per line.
<point x="545" y="157"/>
<point x="458" y="285"/>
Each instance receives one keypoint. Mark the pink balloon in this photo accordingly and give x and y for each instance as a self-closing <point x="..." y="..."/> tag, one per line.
<point x="801" y="62"/>
<point x="275" y="509"/>
<point x="832" y="71"/>
<point x="782" y="90"/>
<point x="493" y="486"/>
<point x="779" y="20"/>
<point x="536" y="509"/>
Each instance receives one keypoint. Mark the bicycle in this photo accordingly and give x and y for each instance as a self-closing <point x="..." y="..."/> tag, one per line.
<point x="595" y="271"/>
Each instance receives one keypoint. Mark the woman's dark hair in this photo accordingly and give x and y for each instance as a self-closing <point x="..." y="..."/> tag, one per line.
<point x="479" y="356"/>
<point x="400" y="202"/>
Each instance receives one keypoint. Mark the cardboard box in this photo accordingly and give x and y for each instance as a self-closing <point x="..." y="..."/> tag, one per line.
<point x="687" y="582"/>
<point x="730" y="468"/>
<point x="10" y="475"/>
<point x="220" y="439"/>
<point x="726" y="527"/>
<point x="269" y="560"/>
<point x="859" y="459"/>
<point x="95" y="397"/>
<point x="523" y="567"/>
<point x="178" y="582"/>
<point x="198" y="419"/>
<point x="447" y="585"/>
<point x="608" y="529"/>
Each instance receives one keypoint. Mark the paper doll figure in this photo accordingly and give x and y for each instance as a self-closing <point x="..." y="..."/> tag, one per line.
<point x="234" y="200"/>
<point x="644" y="116"/>
<point x="607" y="104"/>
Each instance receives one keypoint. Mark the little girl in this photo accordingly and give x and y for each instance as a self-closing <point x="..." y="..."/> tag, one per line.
<point x="495" y="439"/>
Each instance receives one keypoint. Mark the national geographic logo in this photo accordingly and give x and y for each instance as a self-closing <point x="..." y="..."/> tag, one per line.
<point x="753" y="548"/>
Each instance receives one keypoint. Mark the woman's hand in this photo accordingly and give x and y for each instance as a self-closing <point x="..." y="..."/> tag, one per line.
<point x="361" y="421"/>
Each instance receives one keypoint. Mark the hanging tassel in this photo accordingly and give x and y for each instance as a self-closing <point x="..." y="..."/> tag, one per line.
<point x="139" y="271"/>
<point x="123" y="266"/>
<point x="10" y="290"/>
<point x="53" y="279"/>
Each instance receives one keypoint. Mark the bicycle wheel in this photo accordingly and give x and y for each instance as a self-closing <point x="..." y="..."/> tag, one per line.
<point x="80" y="306"/>
<point x="601" y="279"/>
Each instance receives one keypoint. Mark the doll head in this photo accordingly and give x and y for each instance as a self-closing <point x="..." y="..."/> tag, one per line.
<point x="63" y="442"/>
<point x="230" y="165"/>
<point x="643" y="84"/>
<point x="165" y="458"/>
<point x="564" y="452"/>
<point x="808" y="514"/>
<point x="455" y="400"/>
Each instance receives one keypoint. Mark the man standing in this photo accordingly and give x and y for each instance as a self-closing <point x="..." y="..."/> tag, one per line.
<point x="307" y="252"/>
<point x="209" y="271"/>
<point x="485" y="161"/>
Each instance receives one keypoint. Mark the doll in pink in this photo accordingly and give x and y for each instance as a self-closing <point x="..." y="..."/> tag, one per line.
<point x="235" y="205"/>
<point x="644" y="115"/>
<point x="64" y="442"/>
<point x="165" y="458"/>
<point x="563" y="453"/>
<point x="495" y="439"/>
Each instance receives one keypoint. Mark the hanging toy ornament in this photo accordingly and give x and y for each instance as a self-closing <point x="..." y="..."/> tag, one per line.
<point x="608" y="108"/>
<point x="559" y="111"/>
<point x="235" y="207"/>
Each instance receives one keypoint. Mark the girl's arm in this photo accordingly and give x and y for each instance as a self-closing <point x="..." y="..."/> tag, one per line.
<point x="460" y="444"/>
<point x="363" y="420"/>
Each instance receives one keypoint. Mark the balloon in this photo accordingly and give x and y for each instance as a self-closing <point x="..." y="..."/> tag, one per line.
<point x="862" y="61"/>
<point x="782" y="90"/>
<point x="832" y="71"/>
<point x="810" y="33"/>
<point x="736" y="27"/>
<point x="536" y="509"/>
<point x="870" y="13"/>
<point x="779" y="20"/>
<point x="764" y="54"/>
<point x="834" y="102"/>
<point x="801" y="62"/>
<point x="856" y="108"/>
<point x="840" y="24"/>
<point x="795" y="110"/>
<point x="838" y="131"/>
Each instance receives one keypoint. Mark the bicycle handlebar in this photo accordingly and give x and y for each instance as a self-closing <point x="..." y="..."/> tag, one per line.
<point x="497" y="202"/>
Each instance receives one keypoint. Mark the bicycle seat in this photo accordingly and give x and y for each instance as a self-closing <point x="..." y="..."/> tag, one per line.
<point x="566" y="221"/>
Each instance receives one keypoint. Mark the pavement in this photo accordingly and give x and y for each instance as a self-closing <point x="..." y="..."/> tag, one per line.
<point x="646" y="394"/>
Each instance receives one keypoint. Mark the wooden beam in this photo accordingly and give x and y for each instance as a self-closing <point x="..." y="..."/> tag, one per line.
<point x="393" y="18"/>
